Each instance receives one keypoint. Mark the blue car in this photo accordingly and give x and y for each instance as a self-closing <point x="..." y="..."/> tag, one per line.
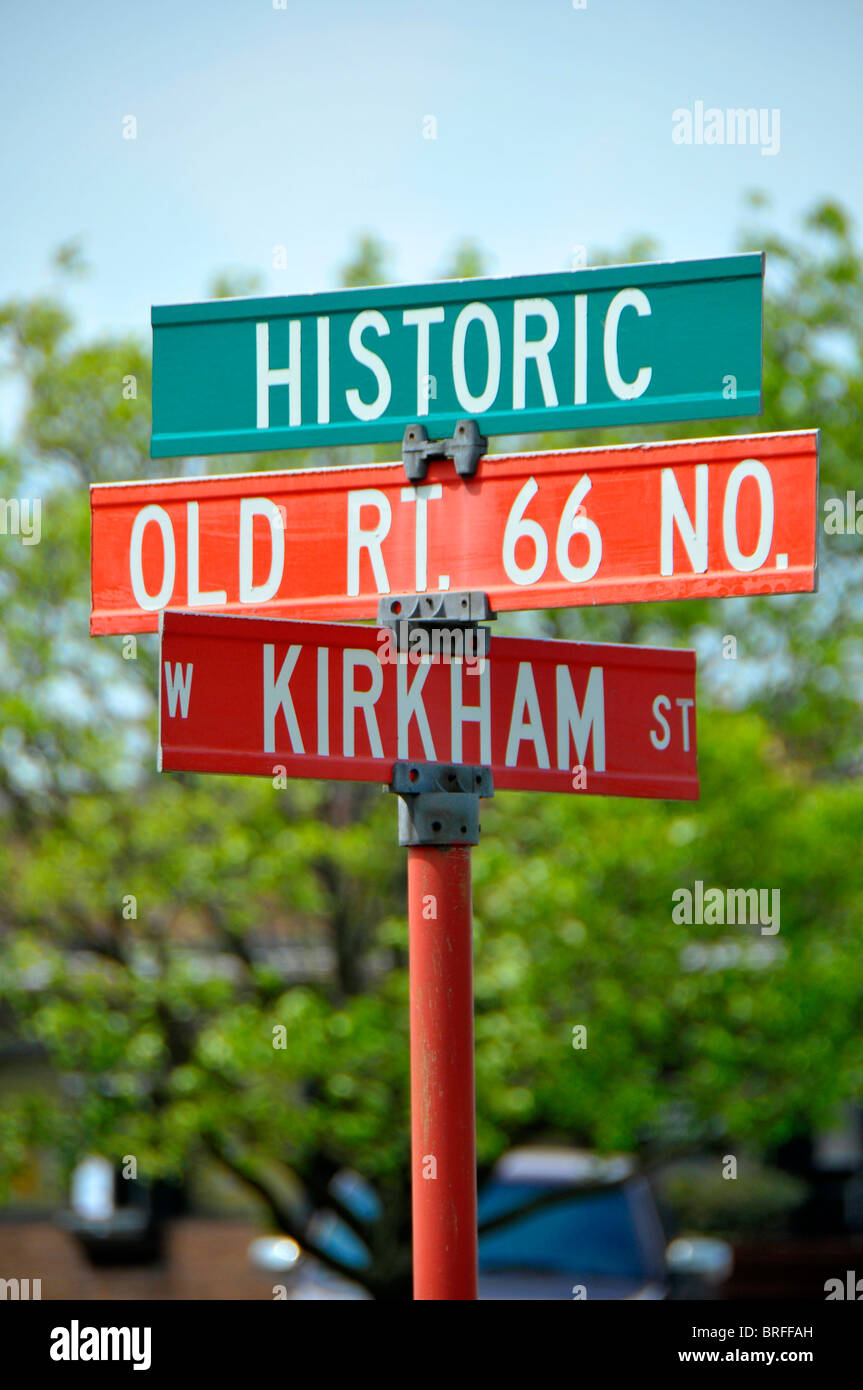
<point x="590" y="1229"/>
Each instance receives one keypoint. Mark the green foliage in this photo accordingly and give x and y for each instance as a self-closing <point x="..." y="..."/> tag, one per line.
<point x="758" y="1202"/>
<point x="466" y="261"/>
<point x="231" y="284"/>
<point x="369" y="264"/>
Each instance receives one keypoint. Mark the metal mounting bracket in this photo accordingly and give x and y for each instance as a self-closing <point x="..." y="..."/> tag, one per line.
<point x="460" y="609"/>
<point x="439" y="802"/>
<point x="466" y="448"/>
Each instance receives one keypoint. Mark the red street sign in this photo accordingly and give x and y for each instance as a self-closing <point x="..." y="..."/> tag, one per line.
<point x="704" y="518"/>
<point x="270" y="698"/>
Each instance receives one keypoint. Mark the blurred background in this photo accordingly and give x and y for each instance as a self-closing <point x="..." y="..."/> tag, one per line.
<point x="155" y="931"/>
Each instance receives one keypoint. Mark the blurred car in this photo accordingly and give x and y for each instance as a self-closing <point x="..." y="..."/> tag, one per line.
<point x="118" y="1221"/>
<point x="302" y="1277"/>
<point x="590" y="1228"/>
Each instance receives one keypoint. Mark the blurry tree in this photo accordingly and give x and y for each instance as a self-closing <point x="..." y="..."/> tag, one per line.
<point x="216" y="968"/>
<point x="369" y="263"/>
<point x="467" y="260"/>
<point x="231" y="284"/>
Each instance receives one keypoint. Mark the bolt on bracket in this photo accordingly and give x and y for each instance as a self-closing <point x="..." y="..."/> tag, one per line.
<point x="466" y="448"/>
<point x="439" y="802"/>
<point x="459" y="609"/>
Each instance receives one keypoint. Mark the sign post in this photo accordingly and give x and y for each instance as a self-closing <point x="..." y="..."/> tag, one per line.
<point x="438" y="824"/>
<point x="428" y="703"/>
<point x="443" y="1104"/>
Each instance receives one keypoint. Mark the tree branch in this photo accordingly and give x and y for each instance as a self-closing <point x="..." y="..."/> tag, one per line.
<point x="244" y="1169"/>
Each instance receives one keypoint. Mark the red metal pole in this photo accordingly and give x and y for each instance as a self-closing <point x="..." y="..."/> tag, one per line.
<point x="443" y="1102"/>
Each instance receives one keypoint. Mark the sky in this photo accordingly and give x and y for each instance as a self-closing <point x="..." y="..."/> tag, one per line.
<point x="268" y="134"/>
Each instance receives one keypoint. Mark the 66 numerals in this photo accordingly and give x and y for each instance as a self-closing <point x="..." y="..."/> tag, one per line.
<point x="573" y="522"/>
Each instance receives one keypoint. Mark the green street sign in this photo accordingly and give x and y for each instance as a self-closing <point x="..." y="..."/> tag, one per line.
<point x="614" y="345"/>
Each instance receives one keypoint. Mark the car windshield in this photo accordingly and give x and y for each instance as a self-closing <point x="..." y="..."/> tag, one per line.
<point x="588" y="1235"/>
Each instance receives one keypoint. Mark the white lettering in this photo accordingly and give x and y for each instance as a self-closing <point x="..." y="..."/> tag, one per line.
<point x="410" y="706"/>
<point x="250" y="507"/>
<point x="422" y="319"/>
<point x="216" y="597"/>
<point x="694" y="537"/>
<point x="663" y="739"/>
<point x="476" y="313"/>
<point x="526" y="701"/>
<point x="579" y="724"/>
<point x="580" y="350"/>
<point x="684" y="706"/>
<point x="151" y="603"/>
<point x="422" y="496"/>
<point x="461" y="713"/>
<point x="624" y="390"/>
<point x="277" y="695"/>
<point x="374" y="320"/>
<point x="365" y="700"/>
<point x="748" y="468"/>
<point x="323" y="701"/>
<point x="358" y="539"/>
<point x="178" y="684"/>
<point x="539" y="350"/>
<point x="268" y="376"/>
<point x="323" y="371"/>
